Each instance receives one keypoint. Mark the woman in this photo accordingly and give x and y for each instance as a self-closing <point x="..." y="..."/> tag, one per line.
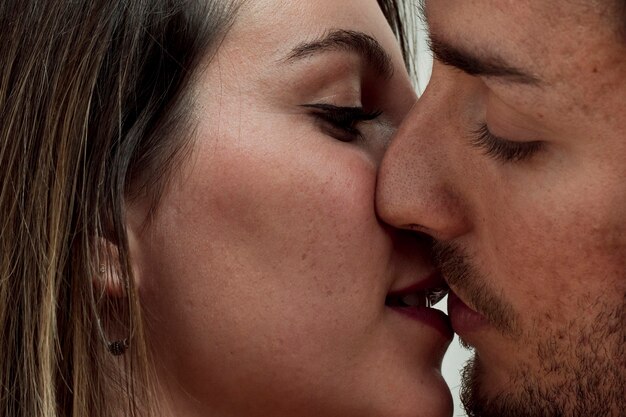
<point x="188" y="226"/>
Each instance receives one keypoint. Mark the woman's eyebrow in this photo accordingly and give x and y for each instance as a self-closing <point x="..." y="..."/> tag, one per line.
<point x="347" y="40"/>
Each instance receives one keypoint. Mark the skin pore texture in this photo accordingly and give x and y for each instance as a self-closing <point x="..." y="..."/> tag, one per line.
<point x="528" y="213"/>
<point x="264" y="272"/>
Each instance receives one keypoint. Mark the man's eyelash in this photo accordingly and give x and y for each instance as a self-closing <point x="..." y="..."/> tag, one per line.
<point x="345" y="119"/>
<point x="503" y="149"/>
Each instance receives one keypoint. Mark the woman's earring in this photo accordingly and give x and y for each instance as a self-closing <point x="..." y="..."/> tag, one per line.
<point x="118" y="347"/>
<point x="115" y="348"/>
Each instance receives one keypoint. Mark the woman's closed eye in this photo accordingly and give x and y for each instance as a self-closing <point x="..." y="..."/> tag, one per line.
<point x="342" y="123"/>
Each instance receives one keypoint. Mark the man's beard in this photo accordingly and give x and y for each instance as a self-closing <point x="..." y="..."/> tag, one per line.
<point x="581" y="368"/>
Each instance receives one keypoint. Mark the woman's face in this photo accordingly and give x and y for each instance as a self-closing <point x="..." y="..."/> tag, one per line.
<point x="265" y="272"/>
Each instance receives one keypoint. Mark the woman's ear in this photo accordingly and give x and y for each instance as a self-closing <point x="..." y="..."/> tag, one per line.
<point x="112" y="277"/>
<point x="109" y="278"/>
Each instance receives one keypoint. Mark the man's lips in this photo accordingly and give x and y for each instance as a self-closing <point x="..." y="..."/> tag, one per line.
<point x="464" y="319"/>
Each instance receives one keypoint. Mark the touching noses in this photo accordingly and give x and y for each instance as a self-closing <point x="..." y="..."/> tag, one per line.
<point x="417" y="187"/>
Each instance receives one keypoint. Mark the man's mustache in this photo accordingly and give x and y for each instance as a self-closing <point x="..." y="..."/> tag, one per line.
<point x="472" y="287"/>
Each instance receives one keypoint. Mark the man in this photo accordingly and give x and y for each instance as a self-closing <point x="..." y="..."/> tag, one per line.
<point x="514" y="162"/>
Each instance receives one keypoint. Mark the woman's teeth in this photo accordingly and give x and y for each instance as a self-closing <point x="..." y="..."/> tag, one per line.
<point x="415" y="300"/>
<point x="427" y="298"/>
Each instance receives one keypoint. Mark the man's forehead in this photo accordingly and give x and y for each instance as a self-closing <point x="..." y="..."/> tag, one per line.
<point x="524" y="33"/>
<point x="577" y="58"/>
<point x="524" y="17"/>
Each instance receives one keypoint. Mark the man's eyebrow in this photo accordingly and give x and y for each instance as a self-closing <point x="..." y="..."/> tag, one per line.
<point x="347" y="40"/>
<point x="480" y="64"/>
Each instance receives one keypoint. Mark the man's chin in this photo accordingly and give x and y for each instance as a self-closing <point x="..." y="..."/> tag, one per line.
<point x="481" y="400"/>
<point x="526" y="395"/>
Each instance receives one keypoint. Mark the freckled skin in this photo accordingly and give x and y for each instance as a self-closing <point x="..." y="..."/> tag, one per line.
<point x="264" y="272"/>
<point x="546" y="236"/>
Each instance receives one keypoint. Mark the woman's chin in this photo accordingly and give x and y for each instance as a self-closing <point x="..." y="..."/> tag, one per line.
<point x="428" y="396"/>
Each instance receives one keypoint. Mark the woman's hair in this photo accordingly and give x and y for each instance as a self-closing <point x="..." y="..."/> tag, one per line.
<point x="93" y="97"/>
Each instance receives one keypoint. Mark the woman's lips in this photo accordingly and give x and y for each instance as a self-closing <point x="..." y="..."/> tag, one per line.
<point x="416" y="301"/>
<point x="430" y="317"/>
<point x="464" y="319"/>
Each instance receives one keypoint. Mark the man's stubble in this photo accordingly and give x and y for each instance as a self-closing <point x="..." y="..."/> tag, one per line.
<point x="580" y="368"/>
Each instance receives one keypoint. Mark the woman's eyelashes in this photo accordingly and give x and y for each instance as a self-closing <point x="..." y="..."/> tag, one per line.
<point x="503" y="149"/>
<point x="342" y="123"/>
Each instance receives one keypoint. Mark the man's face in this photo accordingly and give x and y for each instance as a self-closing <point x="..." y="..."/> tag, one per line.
<point x="514" y="161"/>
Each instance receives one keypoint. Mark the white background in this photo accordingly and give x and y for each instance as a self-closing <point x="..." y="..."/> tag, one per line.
<point x="452" y="365"/>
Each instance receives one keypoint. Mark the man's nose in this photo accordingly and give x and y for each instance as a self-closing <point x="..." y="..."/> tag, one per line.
<point x="417" y="187"/>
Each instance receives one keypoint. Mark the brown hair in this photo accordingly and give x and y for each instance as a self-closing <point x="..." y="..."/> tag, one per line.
<point x="402" y="16"/>
<point x="91" y="94"/>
